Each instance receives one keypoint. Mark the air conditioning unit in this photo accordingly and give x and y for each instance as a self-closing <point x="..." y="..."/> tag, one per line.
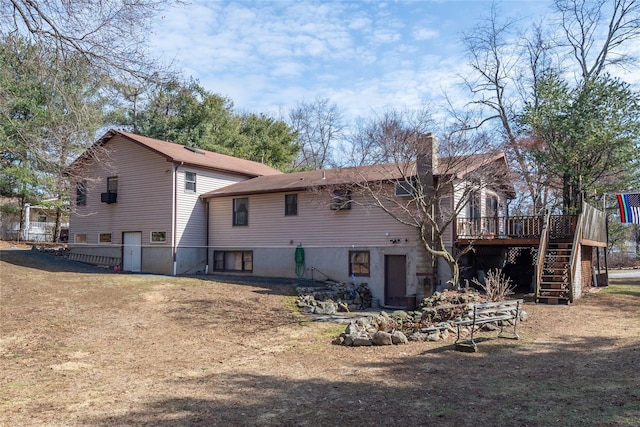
<point x="108" y="197"/>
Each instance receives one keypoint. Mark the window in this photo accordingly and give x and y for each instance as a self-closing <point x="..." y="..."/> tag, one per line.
<point x="233" y="261"/>
<point x="42" y="218"/>
<point x="473" y="205"/>
<point x="341" y="199"/>
<point x="111" y="196"/>
<point x="290" y="204"/>
<point x="80" y="238"/>
<point x="359" y="263"/>
<point x="190" y="181"/>
<point x="241" y="211"/>
<point x="473" y="211"/>
<point x="81" y="193"/>
<point x="405" y="188"/>
<point x="158" y="236"/>
<point x="105" y="238"/>
<point x="491" y="206"/>
<point x="112" y="184"/>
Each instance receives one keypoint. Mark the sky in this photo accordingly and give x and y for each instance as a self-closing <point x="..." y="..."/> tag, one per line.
<point x="364" y="56"/>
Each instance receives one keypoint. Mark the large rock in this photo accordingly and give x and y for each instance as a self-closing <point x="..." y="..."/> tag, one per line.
<point x="351" y="329"/>
<point x="433" y="336"/>
<point x="325" y="307"/>
<point x="361" y="339"/>
<point x="382" y="338"/>
<point x="397" y="337"/>
<point x="400" y="314"/>
<point x="418" y="336"/>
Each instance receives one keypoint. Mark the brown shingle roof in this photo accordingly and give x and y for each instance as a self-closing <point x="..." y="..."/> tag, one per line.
<point x="298" y="181"/>
<point x="181" y="154"/>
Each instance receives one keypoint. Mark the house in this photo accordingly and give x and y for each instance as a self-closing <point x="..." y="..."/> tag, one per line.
<point x="259" y="226"/>
<point x="38" y="221"/>
<point x="153" y="206"/>
<point x="136" y="202"/>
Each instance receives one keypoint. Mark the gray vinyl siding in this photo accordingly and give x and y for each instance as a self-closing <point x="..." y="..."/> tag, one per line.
<point x="191" y="215"/>
<point x="327" y="236"/>
<point x="315" y="225"/>
<point x="144" y="196"/>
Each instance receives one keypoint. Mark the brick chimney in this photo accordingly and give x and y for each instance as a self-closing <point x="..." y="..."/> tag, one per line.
<point x="427" y="158"/>
<point x="426" y="165"/>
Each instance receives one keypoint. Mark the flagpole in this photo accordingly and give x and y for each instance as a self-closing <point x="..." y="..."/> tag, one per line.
<point x="606" y="230"/>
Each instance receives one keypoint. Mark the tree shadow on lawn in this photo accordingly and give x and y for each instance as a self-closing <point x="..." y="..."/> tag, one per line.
<point x="59" y="264"/>
<point x="205" y="313"/>
<point x="47" y="262"/>
<point x="585" y="382"/>
<point x="270" y="285"/>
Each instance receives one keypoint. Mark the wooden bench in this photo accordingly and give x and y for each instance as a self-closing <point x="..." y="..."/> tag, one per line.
<point x="488" y="312"/>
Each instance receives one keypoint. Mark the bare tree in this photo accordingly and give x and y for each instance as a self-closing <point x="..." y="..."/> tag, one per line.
<point x="598" y="31"/>
<point x="498" y="65"/>
<point x="109" y="34"/>
<point x="319" y="127"/>
<point x="509" y="68"/>
<point x="375" y="141"/>
<point x="433" y="190"/>
<point x="77" y="51"/>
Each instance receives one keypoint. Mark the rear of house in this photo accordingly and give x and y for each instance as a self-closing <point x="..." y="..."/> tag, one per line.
<point x="136" y="203"/>
<point x="263" y="226"/>
<point x="264" y="234"/>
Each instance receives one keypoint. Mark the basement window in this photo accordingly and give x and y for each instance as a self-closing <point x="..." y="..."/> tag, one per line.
<point x="241" y="261"/>
<point x="359" y="264"/>
<point x="158" y="236"/>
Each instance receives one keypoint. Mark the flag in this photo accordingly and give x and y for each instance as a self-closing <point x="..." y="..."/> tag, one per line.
<point x="629" y="205"/>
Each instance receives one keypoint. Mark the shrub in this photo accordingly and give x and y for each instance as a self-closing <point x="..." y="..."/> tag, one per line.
<point x="496" y="285"/>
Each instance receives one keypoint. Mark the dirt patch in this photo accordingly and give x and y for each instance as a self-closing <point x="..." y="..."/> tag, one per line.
<point x="98" y="348"/>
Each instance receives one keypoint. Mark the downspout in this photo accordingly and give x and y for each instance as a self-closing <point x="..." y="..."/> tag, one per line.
<point x="174" y="219"/>
<point x="206" y="261"/>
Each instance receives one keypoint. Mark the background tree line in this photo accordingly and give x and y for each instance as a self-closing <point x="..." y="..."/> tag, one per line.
<point x="547" y="95"/>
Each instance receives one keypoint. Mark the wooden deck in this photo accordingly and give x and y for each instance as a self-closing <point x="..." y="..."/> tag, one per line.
<point x="513" y="230"/>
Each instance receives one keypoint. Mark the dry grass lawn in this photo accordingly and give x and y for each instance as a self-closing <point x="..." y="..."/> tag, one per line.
<point x="85" y="347"/>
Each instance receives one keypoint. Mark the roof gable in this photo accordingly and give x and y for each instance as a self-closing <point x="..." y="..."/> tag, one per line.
<point x="177" y="153"/>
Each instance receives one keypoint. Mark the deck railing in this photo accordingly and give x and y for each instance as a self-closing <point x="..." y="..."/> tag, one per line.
<point x="514" y="227"/>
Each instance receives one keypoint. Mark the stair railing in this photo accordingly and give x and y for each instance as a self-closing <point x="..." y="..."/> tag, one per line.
<point x="575" y="251"/>
<point x="542" y="251"/>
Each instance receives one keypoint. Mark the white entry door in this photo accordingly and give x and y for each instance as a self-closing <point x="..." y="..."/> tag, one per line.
<point x="132" y="252"/>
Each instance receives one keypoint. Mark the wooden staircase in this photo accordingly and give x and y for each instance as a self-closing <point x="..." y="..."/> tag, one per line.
<point x="554" y="287"/>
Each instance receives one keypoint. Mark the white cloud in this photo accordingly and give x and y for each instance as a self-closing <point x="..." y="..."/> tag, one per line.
<point x="364" y="56"/>
<point x="425" y="34"/>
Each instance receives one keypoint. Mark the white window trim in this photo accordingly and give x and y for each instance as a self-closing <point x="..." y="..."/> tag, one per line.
<point x="157" y="242"/>
<point x="194" y="182"/>
<point x="110" y="241"/>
